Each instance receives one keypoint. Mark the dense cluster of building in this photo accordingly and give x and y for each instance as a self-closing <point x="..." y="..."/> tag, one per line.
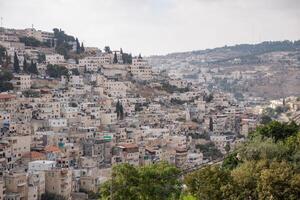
<point x="62" y="136"/>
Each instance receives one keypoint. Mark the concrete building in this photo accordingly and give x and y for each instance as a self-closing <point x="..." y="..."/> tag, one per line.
<point x="21" y="82"/>
<point x="59" y="181"/>
<point x="16" y="184"/>
<point x="140" y="69"/>
<point x="2" y="189"/>
<point x="41" y="165"/>
<point x="55" y="59"/>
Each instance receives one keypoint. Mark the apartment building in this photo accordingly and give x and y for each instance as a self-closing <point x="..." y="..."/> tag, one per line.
<point x="108" y="118"/>
<point x="20" y="145"/>
<point x="2" y="189"/>
<point x="115" y="88"/>
<point x="16" y="185"/>
<point x="42" y="36"/>
<point x="41" y="165"/>
<point x="140" y="69"/>
<point x="8" y="102"/>
<point x="55" y="59"/>
<point x="36" y="185"/>
<point x="126" y="153"/>
<point x="21" y="82"/>
<point x="47" y="110"/>
<point x="59" y="181"/>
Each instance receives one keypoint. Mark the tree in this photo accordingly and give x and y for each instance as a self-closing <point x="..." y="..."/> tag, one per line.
<point x="41" y="58"/>
<point x="78" y="48"/>
<point x="5" y="78"/>
<point x="227" y="147"/>
<point x="82" y="47"/>
<point x="56" y="71"/>
<point x="127" y="58"/>
<point x="208" y="98"/>
<point x="107" y="49"/>
<point x="115" y="61"/>
<point x="119" y="110"/>
<point x="277" y="182"/>
<point x="265" y="119"/>
<point x="157" y="181"/>
<point x="62" y="42"/>
<point x="2" y="55"/>
<point x="25" y="66"/>
<point x="140" y="56"/>
<point x="265" y="167"/>
<point x="75" y="72"/>
<point x="211" y="124"/>
<point x="231" y="161"/>
<point x="33" y="68"/>
<point x="209" y="150"/>
<point x="207" y="183"/>
<point x="245" y="178"/>
<point x="122" y="175"/>
<point x="16" y="63"/>
<point x="31" y="41"/>
<point x="278" y="131"/>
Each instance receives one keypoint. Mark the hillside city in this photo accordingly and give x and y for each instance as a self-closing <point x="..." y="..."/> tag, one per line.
<point x="70" y="113"/>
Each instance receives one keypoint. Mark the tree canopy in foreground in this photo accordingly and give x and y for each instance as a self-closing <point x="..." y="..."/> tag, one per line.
<point x="155" y="182"/>
<point x="266" y="167"/>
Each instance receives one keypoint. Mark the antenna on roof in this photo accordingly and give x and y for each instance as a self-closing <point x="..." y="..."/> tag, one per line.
<point x="32" y="26"/>
<point x="1" y="21"/>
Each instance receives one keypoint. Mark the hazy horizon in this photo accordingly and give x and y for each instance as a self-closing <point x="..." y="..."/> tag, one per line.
<point x="159" y="27"/>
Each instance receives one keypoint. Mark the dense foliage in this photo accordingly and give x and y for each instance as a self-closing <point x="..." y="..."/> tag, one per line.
<point x="32" y="68"/>
<point x="209" y="150"/>
<point x="56" y="71"/>
<point x="31" y="41"/>
<point x="151" y="182"/>
<point x="172" y="88"/>
<point x="63" y="41"/>
<point x="127" y="58"/>
<point x="75" y="72"/>
<point x="2" y="55"/>
<point x="5" y="77"/>
<point x="16" y="63"/>
<point x="266" y="167"/>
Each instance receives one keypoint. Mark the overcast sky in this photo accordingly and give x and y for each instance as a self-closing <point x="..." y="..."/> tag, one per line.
<point x="159" y="26"/>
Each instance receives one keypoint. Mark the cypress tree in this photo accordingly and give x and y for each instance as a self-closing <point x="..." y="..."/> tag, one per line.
<point x="82" y="47"/>
<point x="107" y="49"/>
<point x="211" y="125"/>
<point x="129" y="59"/>
<point x="16" y="63"/>
<point x="78" y="48"/>
<point x="115" y="58"/>
<point x="118" y="109"/>
<point x="25" y="66"/>
<point x="121" y="111"/>
<point x="33" y="68"/>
